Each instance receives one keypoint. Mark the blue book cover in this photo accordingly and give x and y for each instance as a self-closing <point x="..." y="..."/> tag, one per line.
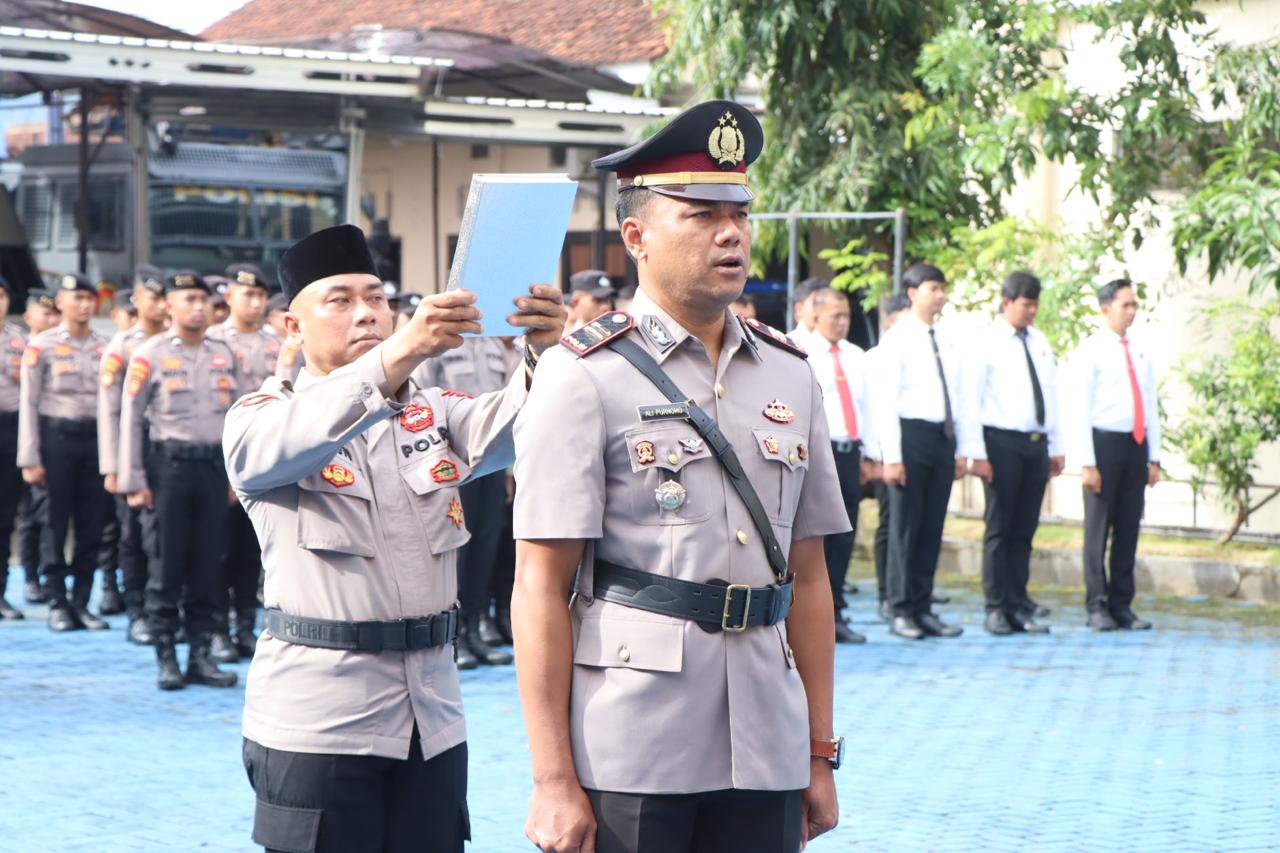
<point x="511" y="236"/>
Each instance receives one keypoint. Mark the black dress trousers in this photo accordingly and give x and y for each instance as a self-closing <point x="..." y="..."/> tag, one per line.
<point x="1114" y="514"/>
<point x="76" y="496"/>
<point x="838" y="547"/>
<point x="882" y="542"/>
<point x="917" y="513"/>
<point x="1020" y="467"/>
<point x="10" y="486"/>
<point x="730" y="821"/>
<point x="482" y="505"/>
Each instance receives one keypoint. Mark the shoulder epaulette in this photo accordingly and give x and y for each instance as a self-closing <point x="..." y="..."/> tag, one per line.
<point x="597" y="333"/>
<point x="773" y="336"/>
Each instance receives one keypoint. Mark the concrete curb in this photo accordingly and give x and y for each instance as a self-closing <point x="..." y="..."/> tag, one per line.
<point x="1157" y="575"/>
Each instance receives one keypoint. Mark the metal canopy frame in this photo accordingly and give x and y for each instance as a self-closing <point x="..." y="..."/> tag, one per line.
<point x="793" y="220"/>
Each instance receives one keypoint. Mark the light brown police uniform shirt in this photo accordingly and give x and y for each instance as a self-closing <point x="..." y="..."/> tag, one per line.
<point x="14" y="340"/>
<point x="173" y="392"/>
<point x="479" y="366"/>
<point x="59" y="380"/>
<point x="256" y="352"/>
<point x="658" y="705"/>
<point x="352" y="490"/>
<point x="110" y="390"/>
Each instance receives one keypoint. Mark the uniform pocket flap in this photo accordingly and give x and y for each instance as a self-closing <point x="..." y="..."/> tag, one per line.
<point x="441" y="471"/>
<point x="284" y="828"/>
<point x="630" y="643"/>
<point x="782" y="445"/>
<point x="669" y="447"/>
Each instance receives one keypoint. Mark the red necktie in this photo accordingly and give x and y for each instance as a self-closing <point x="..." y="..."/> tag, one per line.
<point x="1139" y="414"/>
<point x="846" y="398"/>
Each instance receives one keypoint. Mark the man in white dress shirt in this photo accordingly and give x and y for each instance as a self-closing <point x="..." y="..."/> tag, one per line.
<point x="841" y="370"/>
<point x="924" y="430"/>
<point x="1114" y="424"/>
<point x="1015" y="394"/>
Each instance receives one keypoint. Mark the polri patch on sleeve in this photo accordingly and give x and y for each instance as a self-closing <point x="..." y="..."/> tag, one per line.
<point x="773" y="336"/>
<point x="598" y="332"/>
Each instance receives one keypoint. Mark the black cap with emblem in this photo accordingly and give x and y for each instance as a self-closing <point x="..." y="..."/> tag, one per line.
<point x="592" y="282"/>
<point x="248" y="274"/>
<point x="75" y="281"/>
<point x="184" y="280"/>
<point x="703" y="154"/>
<point x="124" y="300"/>
<point x="148" y="277"/>
<point x="339" y="250"/>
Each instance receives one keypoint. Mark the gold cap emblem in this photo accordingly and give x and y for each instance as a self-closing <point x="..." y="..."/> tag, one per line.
<point x="184" y="281"/>
<point x="726" y="144"/>
<point x="246" y="277"/>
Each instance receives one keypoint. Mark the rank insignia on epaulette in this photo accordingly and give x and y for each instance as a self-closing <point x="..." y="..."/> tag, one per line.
<point x="773" y="336"/>
<point x="598" y="332"/>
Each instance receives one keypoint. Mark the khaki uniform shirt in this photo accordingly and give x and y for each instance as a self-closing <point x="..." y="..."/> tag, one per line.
<point x="290" y="361"/>
<point x="177" y="393"/>
<point x="110" y="389"/>
<point x="479" y="366"/>
<point x="658" y="705"/>
<point x="59" y="380"/>
<point x="14" y="340"/>
<point x="353" y="494"/>
<point x="256" y="352"/>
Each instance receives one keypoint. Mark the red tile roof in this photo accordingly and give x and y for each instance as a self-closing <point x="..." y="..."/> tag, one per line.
<point x="580" y="32"/>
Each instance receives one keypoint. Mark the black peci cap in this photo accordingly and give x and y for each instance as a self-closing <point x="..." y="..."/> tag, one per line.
<point x="703" y="154"/>
<point x="331" y="251"/>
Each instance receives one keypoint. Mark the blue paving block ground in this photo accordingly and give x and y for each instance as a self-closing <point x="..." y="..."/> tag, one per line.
<point x="1168" y="740"/>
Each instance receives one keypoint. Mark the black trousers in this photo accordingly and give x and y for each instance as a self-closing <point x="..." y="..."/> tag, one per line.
<point x="137" y="541"/>
<point x="33" y="507"/>
<point x="882" y="541"/>
<point x="109" y="545"/>
<point x="1020" y="464"/>
<point x="917" y="512"/>
<point x="482" y="501"/>
<point x="838" y="547"/>
<point x="711" y="822"/>
<point x="190" y="508"/>
<point x="1114" y="514"/>
<point x="11" y="488"/>
<point x="75" y="496"/>
<point x="504" y="566"/>
<point x="241" y="566"/>
<point x="319" y="803"/>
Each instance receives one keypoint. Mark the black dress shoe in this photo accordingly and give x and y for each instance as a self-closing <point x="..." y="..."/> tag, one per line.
<point x="489" y="632"/>
<point x="1100" y="620"/>
<point x="169" y="676"/>
<point x="201" y="668"/>
<point x="886" y="611"/>
<point x="997" y="623"/>
<point x="939" y="599"/>
<point x="8" y="611"/>
<point x="845" y="634"/>
<point x="906" y="628"/>
<point x="33" y="594"/>
<point x="111" y="604"/>
<point x="463" y="658"/>
<point x="1127" y="620"/>
<point x="935" y="627"/>
<point x="139" y="633"/>
<point x="93" y="623"/>
<point x="1026" y="623"/>
<point x="63" y="618"/>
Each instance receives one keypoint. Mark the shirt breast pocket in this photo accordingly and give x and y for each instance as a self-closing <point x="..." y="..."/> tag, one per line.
<point x="675" y="479"/>
<point x="334" y="512"/>
<point x="434" y="483"/>
<point x="176" y="397"/>
<point x="64" y="374"/>
<point x="786" y="457"/>
<point x="630" y="643"/>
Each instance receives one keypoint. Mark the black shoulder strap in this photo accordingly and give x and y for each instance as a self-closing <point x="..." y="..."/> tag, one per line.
<point x="720" y="446"/>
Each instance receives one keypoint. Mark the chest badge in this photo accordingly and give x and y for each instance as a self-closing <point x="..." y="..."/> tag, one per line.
<point x="779" y="412"/>
<point x="691" y="445"/>
<point x="444" y="471"/>
<point x="771" y="444"/>
<point x="670" y="495"/>
<point x="455" y="513"/>
<point x="416" y="417"/>
<point x="646" y="453"/>
<point x="802" y="450"/>
<point x="173" y="363"/>
<point x="338" y="475"/>
<point x="221" y="361"/>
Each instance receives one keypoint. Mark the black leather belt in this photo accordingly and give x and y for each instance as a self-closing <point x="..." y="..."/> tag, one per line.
<point x="1033" y="437"/>
<point x="425" y="632"/>
<point x="188" y="450"/>
<point x="70" y="426"/>
<point x="715" y="606"/>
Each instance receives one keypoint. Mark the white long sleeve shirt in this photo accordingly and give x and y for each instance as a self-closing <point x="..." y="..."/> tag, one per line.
<point x="906" y="384"/>
<point x="1101" y="396"/>
<point x="854" y="364"/>
<point x="1001" y="383"/>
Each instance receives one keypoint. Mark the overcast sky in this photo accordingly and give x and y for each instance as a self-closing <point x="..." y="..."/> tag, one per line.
<point x="190" y="17"/>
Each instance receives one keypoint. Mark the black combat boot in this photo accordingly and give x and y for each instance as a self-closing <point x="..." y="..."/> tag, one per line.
<point x="170" y="676"/>
<point x="62" y="616"/>
<point x="8" y="611"/>
<point x="111" y="604"/>
<point x="462" y="655"/>
<point x="502" y="621"/>
<point x="32" y="592"/>
<point x="202" y="670"/>
<point x="80" y="590"/>
<point x="469" y="640"/>
<point x="138" y="632"/>
<point x="246" y="640"/>
<point x="221" y="649"/>
<point x="489" y="631"/>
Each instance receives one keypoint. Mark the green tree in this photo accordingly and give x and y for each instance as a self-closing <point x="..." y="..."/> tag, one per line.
<point x="1235" y="408"/>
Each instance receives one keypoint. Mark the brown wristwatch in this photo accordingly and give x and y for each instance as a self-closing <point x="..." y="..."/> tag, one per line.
<point x="831" y="750"/>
